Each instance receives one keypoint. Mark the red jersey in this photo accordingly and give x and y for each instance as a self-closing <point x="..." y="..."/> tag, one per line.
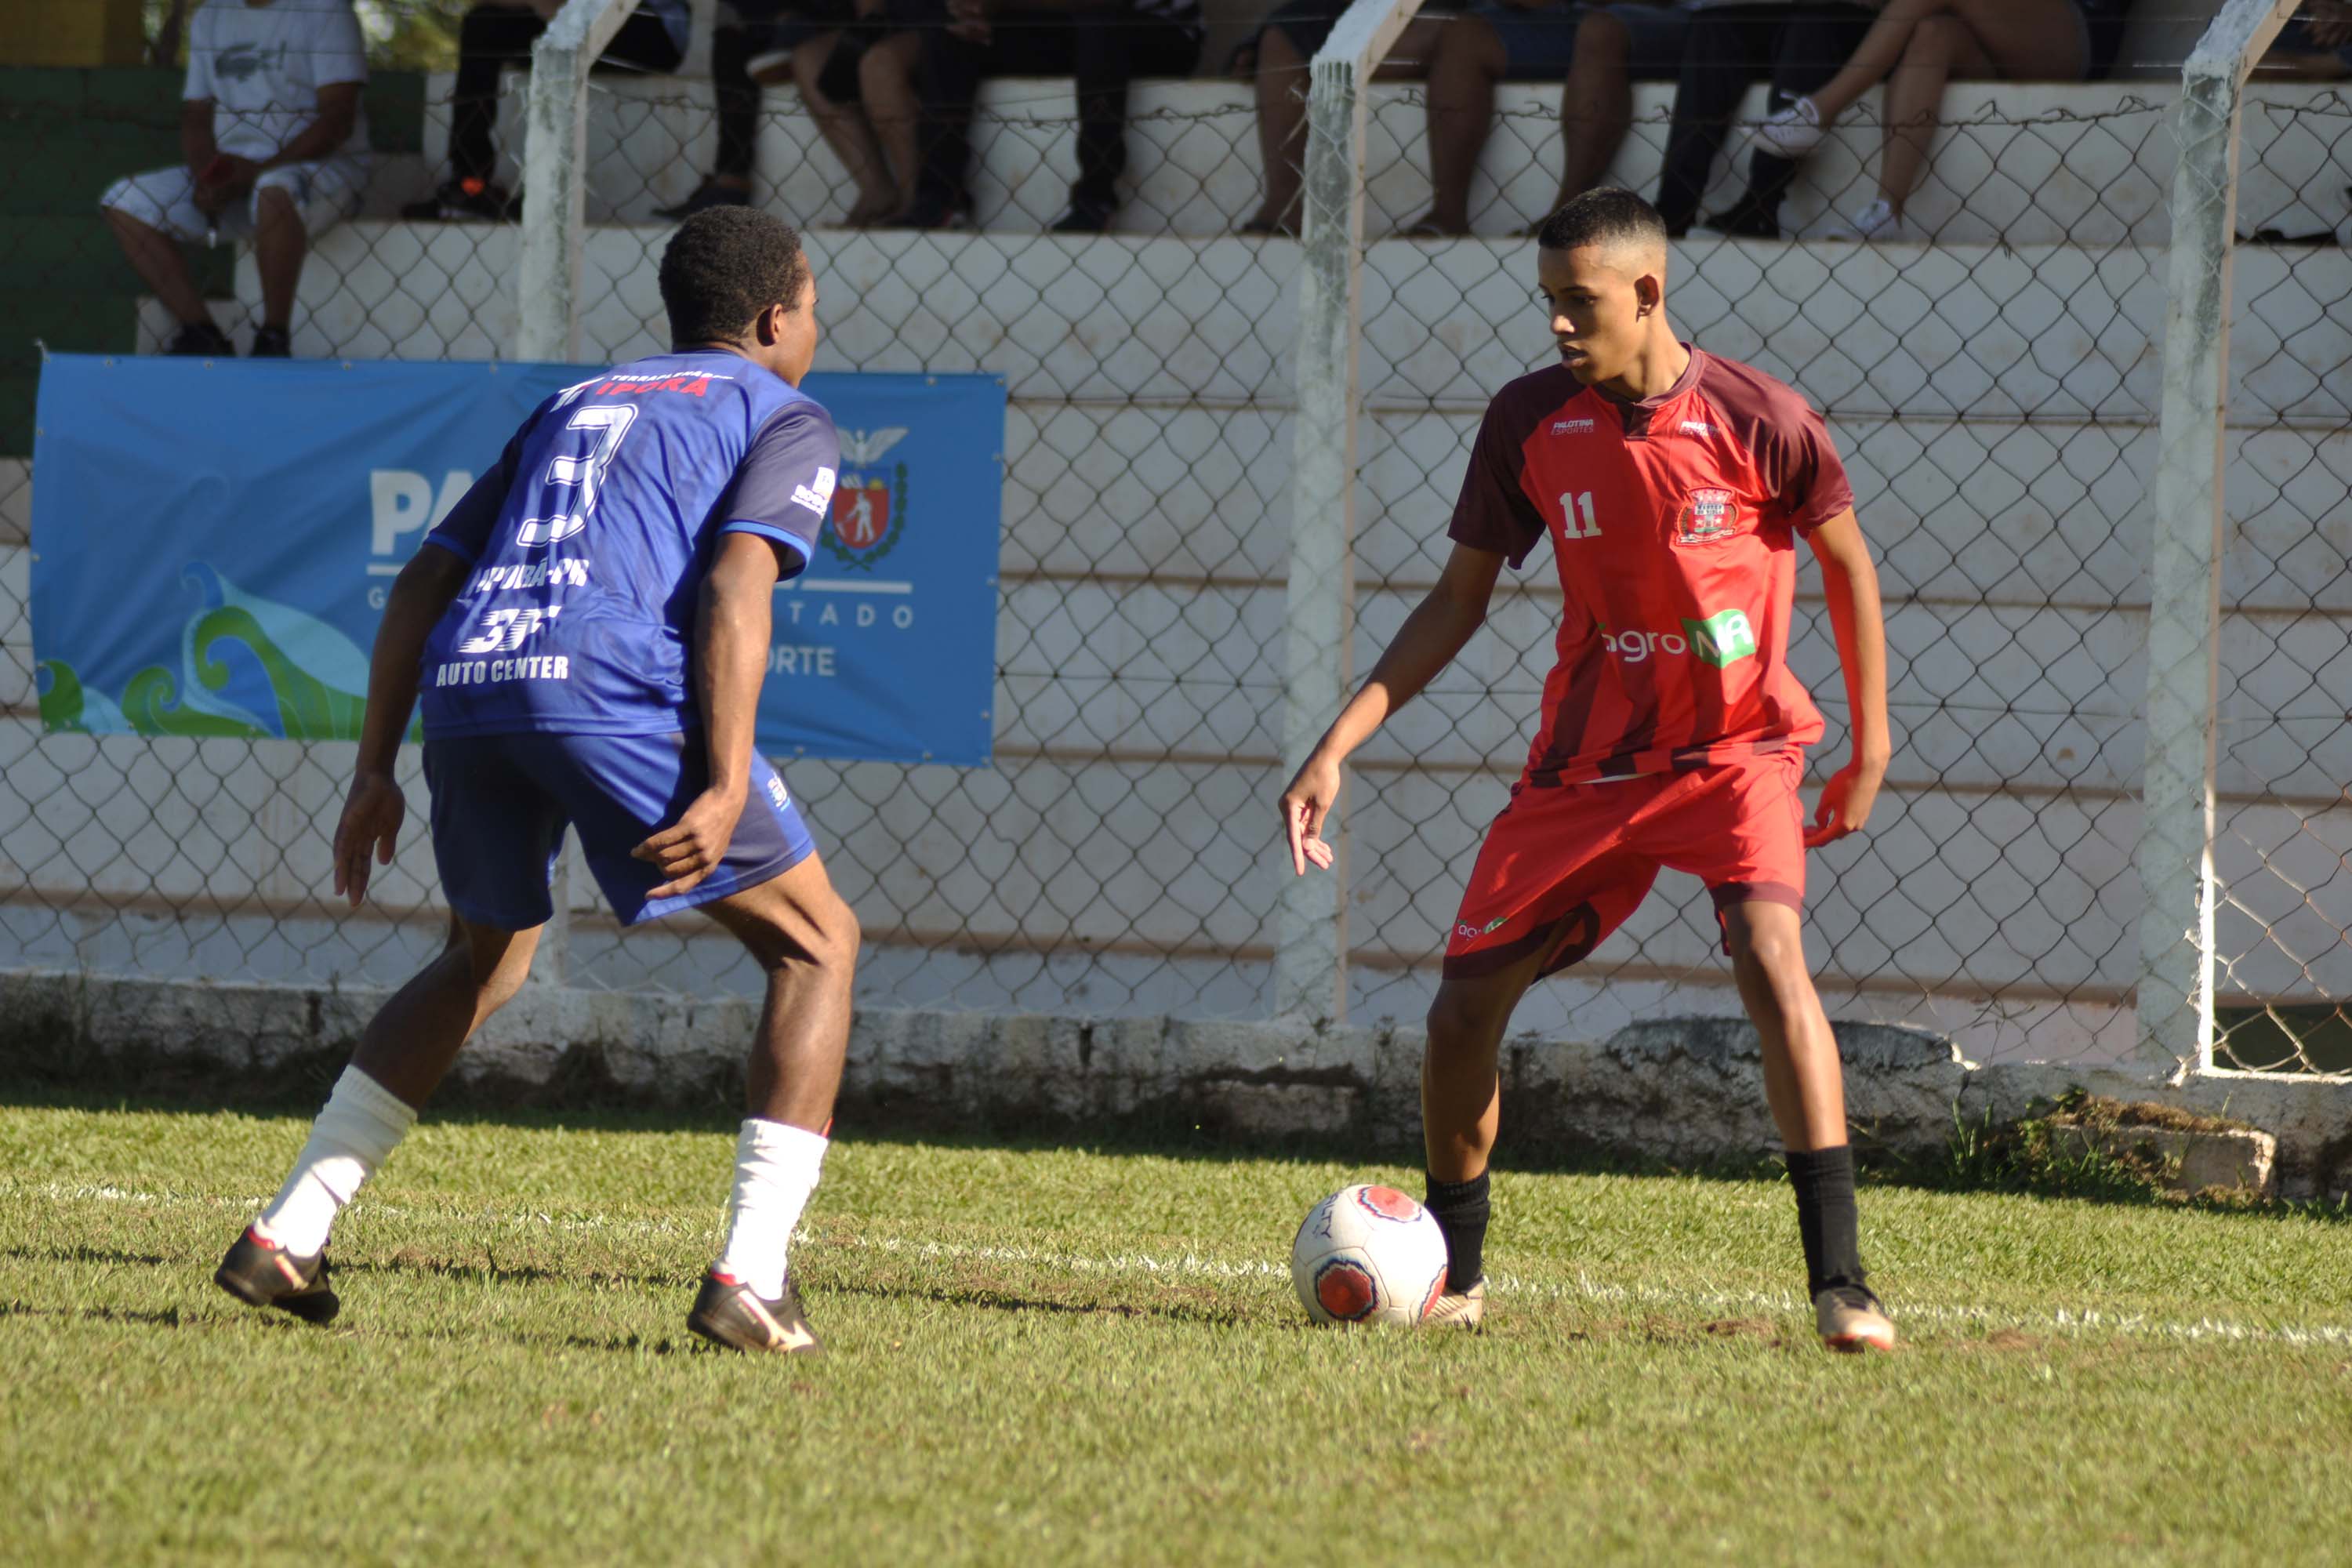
<point x="1675" y="521"/>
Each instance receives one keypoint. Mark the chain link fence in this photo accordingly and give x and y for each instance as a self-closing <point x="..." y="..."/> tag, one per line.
<point x="1992" y="375"/>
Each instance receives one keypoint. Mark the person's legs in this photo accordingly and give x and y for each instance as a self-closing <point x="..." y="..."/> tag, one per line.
<point x="947" y="73"/>
<point x="737" y="101"/>
<point x="159" y="263"/>
<point x="489" y="38"/>
<point x="1281" y="128"/>
<point x="886" y="84"/>
<point x="1941" y="48"/>
<point x="1806" y="47"/>
<point x="1111" y="45"/>
<point x="279" y="243"/>
<point x="402" y="1056"/>
<point x="1722" y="53"/>
<point x="2026" y="42"/>
<point x="804" y="938"/>
<point x="1465" y="61"/>
<point x="1596" y="103"/>
<point x="829" y="92"/>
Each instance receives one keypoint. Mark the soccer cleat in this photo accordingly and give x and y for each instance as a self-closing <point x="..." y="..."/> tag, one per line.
<point x="1793" y="132"/>
<point x="1853" y="1319"/>
<point x="729" y="1314"/>
<point x="470" y="198"/>
<point x="1457" y="1309"/>
<point x="260" y="1273"/>
<point x="202" y="341"/>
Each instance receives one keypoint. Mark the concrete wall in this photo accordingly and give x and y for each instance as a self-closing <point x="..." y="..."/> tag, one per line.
<point x="1684" y="1090"/>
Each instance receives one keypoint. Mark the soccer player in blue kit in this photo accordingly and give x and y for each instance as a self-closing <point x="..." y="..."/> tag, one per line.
<point x="588" y="627"/>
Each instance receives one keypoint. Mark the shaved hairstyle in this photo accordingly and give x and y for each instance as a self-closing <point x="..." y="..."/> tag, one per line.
<point x="1606" y="216"/>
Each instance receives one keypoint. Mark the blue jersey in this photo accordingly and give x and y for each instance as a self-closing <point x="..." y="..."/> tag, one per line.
<point x="588" y="543"/>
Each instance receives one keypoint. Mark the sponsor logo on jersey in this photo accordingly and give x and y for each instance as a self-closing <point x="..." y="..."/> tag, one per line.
<point x="1705" y="517"/>
<point x="1571" y="427"/>
<point x="1697" y="427"/>
<point x="1724" y="637"/>
<point x="817" y="494"/>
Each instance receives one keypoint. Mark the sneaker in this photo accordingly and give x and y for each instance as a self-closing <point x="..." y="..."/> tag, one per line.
<point x="260" y="1273"/>
<point x="1792" y="133"/>
<point x="470" y="198"/>
<point x="707" y="195"/>
<point x="1085" y="215"/>
<point x="272" y="342"/>
<point x="1457" y="1309"/>
<point x="202" y="341"/>
<point x="728" y="1315"/>
<point x="1748" y="219"/>
<point x="1851" y="1320"/>
<point x="1875" y="222"/>
<point x="773" y="69"/>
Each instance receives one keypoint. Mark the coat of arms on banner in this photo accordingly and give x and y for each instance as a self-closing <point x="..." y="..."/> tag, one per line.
<point x="869" y="505"/>
<point x="1705" y="517"/>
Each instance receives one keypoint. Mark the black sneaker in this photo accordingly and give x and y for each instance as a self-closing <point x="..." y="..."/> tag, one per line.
<point x="1087" y="214"/>
<point x="263" y="1274"/>
<point x="1747" y="219"/>
<point x="707" y="195"/>
<point x="728" y="1315"/>
<point x="271" y="342"/>
<point x="204" y="341"/>
<point x="461" y="200"/>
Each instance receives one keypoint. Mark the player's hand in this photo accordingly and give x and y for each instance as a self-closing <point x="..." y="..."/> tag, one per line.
<point x="690" y="850"/>
<point x="370" y="822"/>
<point x="1305" y="805"/>
<point x="1846" y="800"/>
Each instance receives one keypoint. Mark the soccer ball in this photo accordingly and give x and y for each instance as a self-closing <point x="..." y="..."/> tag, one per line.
<point x="1368" y="1255"/>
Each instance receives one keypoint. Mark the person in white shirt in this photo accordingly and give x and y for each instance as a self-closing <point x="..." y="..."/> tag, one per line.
<point x="276" y="149"/>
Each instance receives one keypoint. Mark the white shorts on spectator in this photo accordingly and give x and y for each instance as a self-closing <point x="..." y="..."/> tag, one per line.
<point x="324" y="193"/>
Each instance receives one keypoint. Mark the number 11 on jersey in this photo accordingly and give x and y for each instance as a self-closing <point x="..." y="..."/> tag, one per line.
<point x="1574" y="504"/>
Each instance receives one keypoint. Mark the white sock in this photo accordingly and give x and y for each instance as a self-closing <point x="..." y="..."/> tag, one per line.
<point x="776" y="1167"/>
<point x="362" y="1122"/>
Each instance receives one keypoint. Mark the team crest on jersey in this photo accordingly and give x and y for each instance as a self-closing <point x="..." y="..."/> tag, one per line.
<point x="1705" y="517"/>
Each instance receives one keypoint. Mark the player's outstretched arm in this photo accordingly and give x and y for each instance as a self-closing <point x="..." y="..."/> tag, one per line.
<point x="1850" y="582"/>
<point x="373" y="813"/>
<point x="1432" y="635"/>
<point x="731" y="627"/>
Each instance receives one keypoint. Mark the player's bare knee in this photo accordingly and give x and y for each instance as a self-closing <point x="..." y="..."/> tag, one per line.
<point x="1462" y="1020"/>
<point x="1769" y="954"/>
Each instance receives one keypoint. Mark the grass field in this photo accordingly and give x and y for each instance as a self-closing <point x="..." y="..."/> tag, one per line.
<point x="1049" y="1354"/>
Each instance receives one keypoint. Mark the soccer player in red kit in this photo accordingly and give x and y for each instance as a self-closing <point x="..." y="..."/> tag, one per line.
<point x="1674" y="486"/>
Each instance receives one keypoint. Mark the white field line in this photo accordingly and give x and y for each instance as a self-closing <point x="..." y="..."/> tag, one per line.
<point x="2091" y="1321"/>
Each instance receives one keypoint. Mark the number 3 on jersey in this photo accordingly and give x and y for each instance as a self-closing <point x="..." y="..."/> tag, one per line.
<point x="1573" y="505"/>
<point x="573" y="479"/>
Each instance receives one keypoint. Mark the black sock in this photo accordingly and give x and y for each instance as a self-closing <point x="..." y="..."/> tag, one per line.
<point x="1460" y="1209"/>
<point x="1825" y="1217"/>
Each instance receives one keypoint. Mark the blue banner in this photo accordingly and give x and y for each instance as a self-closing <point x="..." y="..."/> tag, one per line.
<point x="212" y="545"/>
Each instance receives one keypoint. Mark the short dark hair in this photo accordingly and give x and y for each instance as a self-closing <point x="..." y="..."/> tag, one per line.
<point x="723" y="266"/>
<point x="1597" y="217"/>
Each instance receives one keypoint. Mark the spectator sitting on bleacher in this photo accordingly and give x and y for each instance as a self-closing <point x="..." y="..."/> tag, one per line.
<point x="1798" y="45"/>
<point x="816" y="44"/>
<point x="276" y="149"/>
<point x="494" y="36"/>
<point x="1104" y="44"/>
<point x="1275" y="60"/>
<point x="1616" y="46"/>
<point x="1917" y="46"/>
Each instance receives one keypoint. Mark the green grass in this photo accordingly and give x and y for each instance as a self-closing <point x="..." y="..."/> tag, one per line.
<point x="1053" y="1354"/>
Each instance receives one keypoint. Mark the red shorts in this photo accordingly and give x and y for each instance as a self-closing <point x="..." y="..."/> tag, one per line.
<point x="1563" y="867"/>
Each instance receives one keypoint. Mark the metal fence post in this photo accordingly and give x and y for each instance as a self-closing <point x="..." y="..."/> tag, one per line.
<point x="2175" y="854"/>
<point x="554" y="177"/>
<point x="1310" y="966"/>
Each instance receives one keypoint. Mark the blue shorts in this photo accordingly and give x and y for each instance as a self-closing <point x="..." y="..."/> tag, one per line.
<point x="500" y="804"/>
<point x="1541" y="46"/>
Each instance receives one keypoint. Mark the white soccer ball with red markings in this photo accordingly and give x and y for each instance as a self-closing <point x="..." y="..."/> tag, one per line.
<point x="1368" y="1255"/>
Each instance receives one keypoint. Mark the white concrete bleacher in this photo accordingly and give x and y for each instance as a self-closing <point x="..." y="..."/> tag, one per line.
<point x="1994" y="392"/>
